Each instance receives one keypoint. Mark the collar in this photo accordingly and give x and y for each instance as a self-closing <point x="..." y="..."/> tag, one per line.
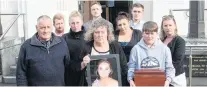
<point x="36" y="42"/>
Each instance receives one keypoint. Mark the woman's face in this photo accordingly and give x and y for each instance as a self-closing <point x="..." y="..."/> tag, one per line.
<point x="76" y="24"/>
<point x="100" y="34"/>
<point x="169" y="27"/>
<point x="104" y="70"/>
<point x="123" y="24"/>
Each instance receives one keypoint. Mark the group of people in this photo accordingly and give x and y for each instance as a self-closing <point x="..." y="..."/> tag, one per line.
<point x="54" y="58"/>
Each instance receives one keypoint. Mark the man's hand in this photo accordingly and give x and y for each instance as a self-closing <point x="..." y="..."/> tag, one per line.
<point x="166" y="83"/>
<point x="132" y="83"/>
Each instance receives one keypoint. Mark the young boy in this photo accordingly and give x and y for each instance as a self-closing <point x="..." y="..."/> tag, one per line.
<point x="150" y="52"/>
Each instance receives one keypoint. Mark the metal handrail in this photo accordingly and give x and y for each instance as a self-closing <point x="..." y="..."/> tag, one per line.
<point x="12" y="14"/>
<point x="10" y="46"/>
<point x="171" y="10"/>
<point x="181" y="9"/>
<point x="10" y="24"/>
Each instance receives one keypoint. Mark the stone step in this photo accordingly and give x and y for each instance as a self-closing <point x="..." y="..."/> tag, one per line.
<point x="13" y="69"/>
<point x="9" y="79"/>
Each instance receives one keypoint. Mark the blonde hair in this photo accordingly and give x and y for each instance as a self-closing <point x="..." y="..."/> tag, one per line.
<point x="164" y="18"/>
<point x="96" y="3"/>
<point x="58" y="16"/>
<point x="75" y="14"/>
<point x="95" y="25"/>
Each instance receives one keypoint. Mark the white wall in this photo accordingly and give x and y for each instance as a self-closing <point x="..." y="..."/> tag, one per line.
<point x="163" y="7"/>
<point x="156" y="9"/>
<point x="36" y="8"/>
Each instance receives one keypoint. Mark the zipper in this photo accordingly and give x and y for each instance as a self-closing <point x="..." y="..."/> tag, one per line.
<point x="48" y="51"/>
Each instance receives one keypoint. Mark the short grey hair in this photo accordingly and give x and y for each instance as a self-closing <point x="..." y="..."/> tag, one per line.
<point x="95" y="25"/>
<point x="43" y="17"/>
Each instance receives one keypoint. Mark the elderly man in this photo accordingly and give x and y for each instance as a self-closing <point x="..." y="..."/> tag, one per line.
<point x="43" y="58"/>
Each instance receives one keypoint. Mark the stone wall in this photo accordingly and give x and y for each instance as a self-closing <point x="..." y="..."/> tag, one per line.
<point x="9" y="51"/>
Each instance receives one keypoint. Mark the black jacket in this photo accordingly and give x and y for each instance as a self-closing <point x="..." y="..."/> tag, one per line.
<point x="76" y="43"/>
<point x="115" y="48"/>
<point x="136" y="37"/>
<point x="42" y="66"/>
<point x="177" y="48"/>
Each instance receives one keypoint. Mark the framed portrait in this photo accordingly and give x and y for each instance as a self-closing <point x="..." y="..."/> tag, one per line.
<point x="93" y="65"/>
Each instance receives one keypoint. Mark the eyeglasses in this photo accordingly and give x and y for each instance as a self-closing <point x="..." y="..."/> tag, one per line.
<point x="168" y="17"/>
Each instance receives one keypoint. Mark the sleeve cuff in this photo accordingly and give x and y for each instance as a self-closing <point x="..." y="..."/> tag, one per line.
<point x="129" y="78"/>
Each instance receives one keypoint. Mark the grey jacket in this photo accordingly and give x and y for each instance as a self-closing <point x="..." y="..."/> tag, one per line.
<point x="156" y="57"/>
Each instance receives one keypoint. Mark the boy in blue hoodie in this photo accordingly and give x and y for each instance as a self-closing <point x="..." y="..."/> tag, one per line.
<point x="150" y="52"/>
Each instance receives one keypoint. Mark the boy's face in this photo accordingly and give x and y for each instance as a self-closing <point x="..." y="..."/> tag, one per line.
<point x="149" y="37"/>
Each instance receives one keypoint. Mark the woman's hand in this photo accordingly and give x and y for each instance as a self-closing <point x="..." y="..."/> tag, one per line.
<point x="85" y="61"/>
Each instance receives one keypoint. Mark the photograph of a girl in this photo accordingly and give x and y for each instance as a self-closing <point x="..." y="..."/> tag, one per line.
<point x="104" y="75"/>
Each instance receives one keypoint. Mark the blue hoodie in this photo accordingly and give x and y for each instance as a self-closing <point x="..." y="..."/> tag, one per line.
<point x="156" y="57"/>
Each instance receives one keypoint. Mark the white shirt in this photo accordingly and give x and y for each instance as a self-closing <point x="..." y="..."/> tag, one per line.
<point x="137" y="26"/>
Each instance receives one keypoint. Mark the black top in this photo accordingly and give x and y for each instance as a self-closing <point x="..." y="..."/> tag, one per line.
<point x="41" y="66"/>
<point x="115" y="48"/>
<point x="177" y="48"/>
<point x="75" y="42"/>
<point x="136" y="36"/>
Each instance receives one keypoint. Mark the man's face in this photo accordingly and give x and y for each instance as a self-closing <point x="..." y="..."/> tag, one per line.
<point x="44" y="29"/>
<point x="96" y="10"/>
<point x="137" y="13"/>
<point x="76" y="24"/>
<point x="149" y="37"/>
<point x="59" y="25"/>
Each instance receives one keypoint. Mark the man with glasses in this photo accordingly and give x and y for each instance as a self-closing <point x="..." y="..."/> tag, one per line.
<point x="137" y="11"/>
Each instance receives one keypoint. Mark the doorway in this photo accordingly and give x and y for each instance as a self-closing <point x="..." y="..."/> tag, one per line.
<point x="110" y="9"/>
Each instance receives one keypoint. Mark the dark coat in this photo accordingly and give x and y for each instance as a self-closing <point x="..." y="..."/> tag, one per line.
<point x="136" y="37"/>
<point x="177" y="48"/>
<point x="42" y="66"/>
<point x="76" y="43"/>
<point x="115" y="48"/>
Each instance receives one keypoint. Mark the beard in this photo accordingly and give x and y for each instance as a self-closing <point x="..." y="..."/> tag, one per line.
<point x="59" y="30"/>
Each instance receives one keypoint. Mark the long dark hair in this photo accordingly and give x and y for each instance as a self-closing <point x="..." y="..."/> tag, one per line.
<point x="104" y="61"/>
